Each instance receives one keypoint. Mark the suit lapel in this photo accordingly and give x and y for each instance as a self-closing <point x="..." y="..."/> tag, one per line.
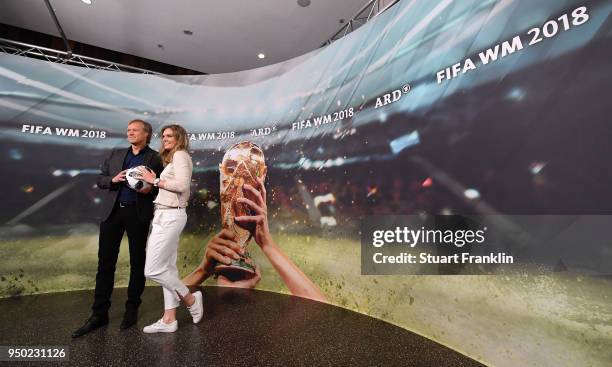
<point x="147" y="157"/>
<point x="118" y="162"/>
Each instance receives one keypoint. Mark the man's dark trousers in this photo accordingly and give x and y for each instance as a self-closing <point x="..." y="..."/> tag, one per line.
<point x="123" y="219"/>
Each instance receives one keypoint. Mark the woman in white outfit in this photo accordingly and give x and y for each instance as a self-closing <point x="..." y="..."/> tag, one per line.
<point x="168" y="223"/>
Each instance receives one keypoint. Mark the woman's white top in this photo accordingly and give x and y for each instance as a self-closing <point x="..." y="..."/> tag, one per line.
<point x="177" y="181"/>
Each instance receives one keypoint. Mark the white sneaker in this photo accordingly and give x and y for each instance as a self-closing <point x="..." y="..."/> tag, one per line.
<point x="161" y="327"/>
<point x="197" y="308"/>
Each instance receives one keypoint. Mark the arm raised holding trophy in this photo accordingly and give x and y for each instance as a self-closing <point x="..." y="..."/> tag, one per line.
<point x="293" y="277"/>
<point x="244" y="216"/>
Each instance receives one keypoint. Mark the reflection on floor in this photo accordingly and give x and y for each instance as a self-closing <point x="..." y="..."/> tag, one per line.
<point x="240" y="327"/>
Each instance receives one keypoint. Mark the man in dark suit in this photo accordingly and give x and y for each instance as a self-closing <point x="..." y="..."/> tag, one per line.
<point x="127" y="210"/>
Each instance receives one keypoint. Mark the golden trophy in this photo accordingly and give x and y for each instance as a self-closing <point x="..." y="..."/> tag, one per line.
<point x="242" y="164"/>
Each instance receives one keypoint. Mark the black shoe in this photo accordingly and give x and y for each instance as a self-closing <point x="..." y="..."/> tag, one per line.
<point x="129" y="319"/>
<point x="92" y="323"/>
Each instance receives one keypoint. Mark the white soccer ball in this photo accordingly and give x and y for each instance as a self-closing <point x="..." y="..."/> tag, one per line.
<point x="134" y="180"/>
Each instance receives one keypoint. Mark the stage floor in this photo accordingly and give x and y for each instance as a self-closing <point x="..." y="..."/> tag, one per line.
<point x="240" y="328"/>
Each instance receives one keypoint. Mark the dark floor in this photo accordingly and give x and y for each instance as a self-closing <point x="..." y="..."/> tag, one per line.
<point x="240" y="328"/>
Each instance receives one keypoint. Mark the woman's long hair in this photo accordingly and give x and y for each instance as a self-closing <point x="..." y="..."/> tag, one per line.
<point x="182" y="142"/>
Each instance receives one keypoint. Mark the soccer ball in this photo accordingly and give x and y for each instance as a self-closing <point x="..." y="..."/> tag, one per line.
<point x="133" y="178"/>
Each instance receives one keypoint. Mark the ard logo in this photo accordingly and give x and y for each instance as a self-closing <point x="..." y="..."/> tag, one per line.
<point x="391" y="97"/>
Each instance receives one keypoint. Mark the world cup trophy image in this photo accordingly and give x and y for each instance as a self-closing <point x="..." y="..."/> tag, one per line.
<point x="242" y="164"/>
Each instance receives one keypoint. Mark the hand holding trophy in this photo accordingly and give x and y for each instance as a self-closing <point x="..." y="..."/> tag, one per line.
<point x="259" y="219"/>
<point x="244" y="215"/>
<point x="242" y="170"/>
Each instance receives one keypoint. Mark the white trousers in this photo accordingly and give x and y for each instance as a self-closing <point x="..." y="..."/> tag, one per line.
<point x="162" y="246"/>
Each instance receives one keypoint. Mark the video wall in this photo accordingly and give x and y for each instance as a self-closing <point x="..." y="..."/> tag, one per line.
<point x="496" y="109"/>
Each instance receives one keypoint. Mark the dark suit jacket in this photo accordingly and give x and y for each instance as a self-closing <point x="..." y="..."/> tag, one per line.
<point x="113" y="165"/>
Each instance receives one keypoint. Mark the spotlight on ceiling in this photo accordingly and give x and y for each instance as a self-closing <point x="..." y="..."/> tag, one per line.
<point x="261" y="56"/>
<point x="88" y="2"/>
<point x="303" y="3"/>
<point x="188" y="32"/>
